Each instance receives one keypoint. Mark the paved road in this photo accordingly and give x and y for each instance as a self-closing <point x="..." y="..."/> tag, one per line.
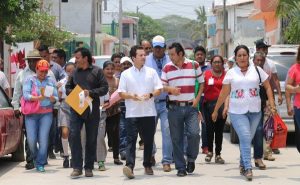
<point x="285" y="170"/>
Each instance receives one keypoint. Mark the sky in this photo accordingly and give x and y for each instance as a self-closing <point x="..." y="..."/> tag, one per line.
<point x="160" y="8"/>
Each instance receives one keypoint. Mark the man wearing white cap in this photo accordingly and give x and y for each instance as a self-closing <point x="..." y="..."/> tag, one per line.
<point x="157" y="60"/>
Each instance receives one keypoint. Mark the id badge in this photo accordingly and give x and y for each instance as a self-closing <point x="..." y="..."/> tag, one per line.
<point x="211" y="81"/>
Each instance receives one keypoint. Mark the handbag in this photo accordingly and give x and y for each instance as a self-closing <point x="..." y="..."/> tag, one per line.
<point x="262" y="91"/>
<point x="30" y="107"/>
<point x="280" y="133"/>
<point x="269" y="128"/>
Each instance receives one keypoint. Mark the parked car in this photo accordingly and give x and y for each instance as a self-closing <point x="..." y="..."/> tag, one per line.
<point x="99" y="60"/>
<point x="283" y="56"/>
<point x="11" y="130"/>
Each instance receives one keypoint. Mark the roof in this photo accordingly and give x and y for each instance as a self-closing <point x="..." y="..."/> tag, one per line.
<point x="219" y="3"/>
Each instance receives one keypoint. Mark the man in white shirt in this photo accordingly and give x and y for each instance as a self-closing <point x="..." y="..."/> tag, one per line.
<point x="4" y="83"/>
<point x="270" y="68"/>
<point x="138" y="85"/>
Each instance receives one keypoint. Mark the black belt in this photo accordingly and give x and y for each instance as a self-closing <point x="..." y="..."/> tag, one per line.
<point x="158" y="101"/>
<point x="181" y="104"/>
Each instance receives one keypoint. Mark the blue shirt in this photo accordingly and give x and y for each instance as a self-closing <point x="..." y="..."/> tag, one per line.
<point x="27" y="89"/>
<point x="158" y="65"/>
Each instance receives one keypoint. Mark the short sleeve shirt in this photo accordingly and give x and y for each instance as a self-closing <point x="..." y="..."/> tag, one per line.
<point x="212" y="85"/>
<point x="140" y="82"/>
<point x="294" y="74"/>
<point x="244" y="95"/>
<point x="183" y="78"/>
<point x="3" y="81"/>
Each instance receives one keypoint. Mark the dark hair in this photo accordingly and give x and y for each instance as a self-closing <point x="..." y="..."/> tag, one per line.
<point x="108" y="63"/>
<point x="44" y="48"/>
<point x="69" y="64"/>
<point x="85" y="53"/>
<point x="178" y="47"/>
<point x="215" y="56"/>
<point x="115" y="55"/>
<point x="199" y="48"/>
<point x="241" y="47"/>
<point x="122" y="54"/>
<point x="60" y="53"/>
<point x="132" y="52"/>
<point x="145" y="41"/>
<point x="298" y="54"/>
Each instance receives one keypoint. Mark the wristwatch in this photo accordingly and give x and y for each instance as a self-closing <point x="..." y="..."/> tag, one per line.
<point x="150" y="95"/>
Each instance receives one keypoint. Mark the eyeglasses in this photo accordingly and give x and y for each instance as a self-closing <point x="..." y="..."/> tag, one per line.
<point x="217" y="62"/>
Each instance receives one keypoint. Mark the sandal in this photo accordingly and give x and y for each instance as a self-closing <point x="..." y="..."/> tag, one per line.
<point x="208" y="157"/>
<point x="259" y="163"/>
<point x="219" y="159"/>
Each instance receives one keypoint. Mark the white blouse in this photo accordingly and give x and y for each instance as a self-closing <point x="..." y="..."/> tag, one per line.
<point x="244" y="95"/>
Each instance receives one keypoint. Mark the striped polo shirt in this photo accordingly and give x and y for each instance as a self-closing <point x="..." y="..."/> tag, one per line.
<point x="183" y="78"/>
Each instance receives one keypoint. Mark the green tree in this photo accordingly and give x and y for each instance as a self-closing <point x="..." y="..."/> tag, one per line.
<point x="289" y="10"/>
<point x="41" y="26"/>
<point x="148" y="27"/>
<point x="197" y="27"/>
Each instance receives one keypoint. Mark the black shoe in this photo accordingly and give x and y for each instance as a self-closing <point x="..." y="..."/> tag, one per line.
<point x="181" y="173"/>
<point x="29" y="165"/>
<point x="51" y="155"/>
<point x="66" y="163"/>
<point x="118" y="162"/>
<point x="190" y="167"/>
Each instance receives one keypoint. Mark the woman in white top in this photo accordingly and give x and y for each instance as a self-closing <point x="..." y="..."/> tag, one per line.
<point x="241" y="84"/>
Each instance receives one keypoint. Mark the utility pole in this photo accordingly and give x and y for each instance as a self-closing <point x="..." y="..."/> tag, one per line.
<point x="92" y="37"/>
<point x="59" y="14"/>
<point x="137" y="26"/>
<point x="120" y="27"/>
<point x="224" y="29"/>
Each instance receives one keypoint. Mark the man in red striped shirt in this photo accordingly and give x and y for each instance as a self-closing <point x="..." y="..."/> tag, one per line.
<point x="179" y="78"/>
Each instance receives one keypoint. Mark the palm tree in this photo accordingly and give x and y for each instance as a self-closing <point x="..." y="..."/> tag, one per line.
<point x="198" y="27"/>
<point x="289" y="10"/>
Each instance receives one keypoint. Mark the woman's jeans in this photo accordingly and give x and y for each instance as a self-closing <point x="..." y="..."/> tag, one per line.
<point x="245" y="126"/>
<point x="38" y="128"/>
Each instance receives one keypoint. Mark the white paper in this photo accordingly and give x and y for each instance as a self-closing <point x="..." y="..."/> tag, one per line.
<point x="48" y="91"/>
<point x="211" y="81"/>
<point x="81" y="99"/>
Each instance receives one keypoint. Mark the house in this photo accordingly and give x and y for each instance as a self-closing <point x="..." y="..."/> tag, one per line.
<point x="239" y="28"/>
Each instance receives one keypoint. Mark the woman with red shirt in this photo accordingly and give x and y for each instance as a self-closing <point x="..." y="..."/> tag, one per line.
<point x="213" y="79"/>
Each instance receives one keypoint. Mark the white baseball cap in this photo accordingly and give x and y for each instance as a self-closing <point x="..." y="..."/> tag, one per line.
<point x="124" y="59"/>
<point x="158" y="41"/>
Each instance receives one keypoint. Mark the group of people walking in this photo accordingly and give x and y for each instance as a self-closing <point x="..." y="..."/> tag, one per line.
<point x="151" y="85"/>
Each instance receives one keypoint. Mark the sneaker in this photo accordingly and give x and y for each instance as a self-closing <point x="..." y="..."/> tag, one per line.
<point x="181" y="173"/>
<point x="208" y="157"/>
<point x="76" y="173"/>
<point x="66" y="163"/>
<point x="205" y="150"/>
<point x="51" y="155"/>
<point x="128" y="172"/>
<point x="101" y="166"/>
<point x="269" y="157"/>
<point x="167" y="167"/>
<point x="190" y="167"/>
<point x="40" y="169"/>
<point x="219" y="160"/>
<point x="88" y="172"/>
<point x="29" y="165"/>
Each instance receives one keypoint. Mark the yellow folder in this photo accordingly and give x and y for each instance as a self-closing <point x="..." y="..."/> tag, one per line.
<point x="73" y="100"/>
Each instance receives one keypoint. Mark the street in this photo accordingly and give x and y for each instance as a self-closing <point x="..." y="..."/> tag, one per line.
<point x="284" y="170"/>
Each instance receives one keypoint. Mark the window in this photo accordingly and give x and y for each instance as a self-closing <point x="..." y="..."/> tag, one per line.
<point x="126" y="31"/>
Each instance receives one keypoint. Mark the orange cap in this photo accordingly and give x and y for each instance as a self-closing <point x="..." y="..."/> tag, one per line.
<point x="42" y="65"/>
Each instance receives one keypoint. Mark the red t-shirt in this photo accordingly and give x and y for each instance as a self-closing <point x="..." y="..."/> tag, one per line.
<point x="294" y="73"/>
<point x="212" y="85"/>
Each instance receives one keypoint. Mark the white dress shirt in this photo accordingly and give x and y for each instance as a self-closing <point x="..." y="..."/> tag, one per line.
<point x="140" y="82"/>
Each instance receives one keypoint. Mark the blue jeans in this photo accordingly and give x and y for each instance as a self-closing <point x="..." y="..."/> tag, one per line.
<point x="167" y="149"/>
<point x="38" y="128"/>
<point x="122" y="131"/>
<point x="258" y="140"/>
<point x="245" y="126"/>
<point x="183" y="119"/>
